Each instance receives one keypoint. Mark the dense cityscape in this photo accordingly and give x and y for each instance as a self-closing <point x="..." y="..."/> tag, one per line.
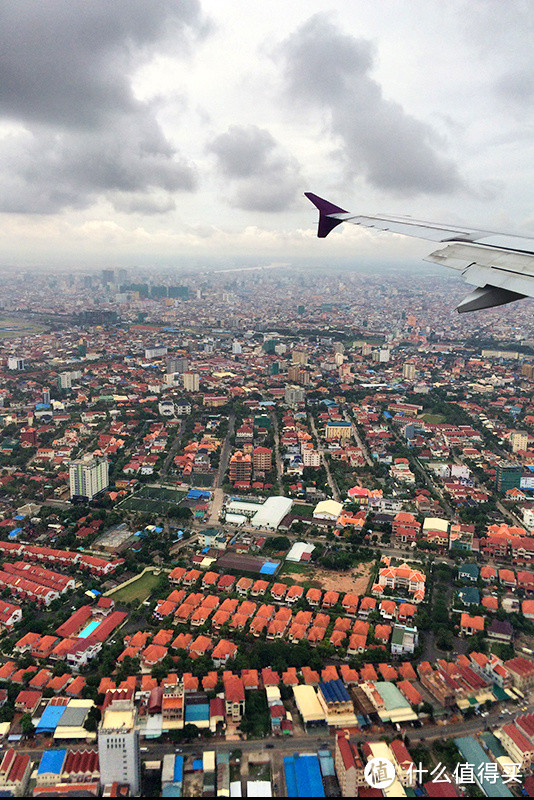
<point x="260" y="527"/>
<point x="266" y="399"/>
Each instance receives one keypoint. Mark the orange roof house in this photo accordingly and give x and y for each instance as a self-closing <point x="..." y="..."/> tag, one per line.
<point x="330" y="599"/>
<point x="200" y="646"/>
<point x="382" y="633"/>
<point x="470" y="625"/>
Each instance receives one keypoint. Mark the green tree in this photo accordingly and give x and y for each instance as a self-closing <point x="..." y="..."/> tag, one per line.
<point x="27" y="727"/>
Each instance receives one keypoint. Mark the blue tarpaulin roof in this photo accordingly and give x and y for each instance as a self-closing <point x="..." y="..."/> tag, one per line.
<point x="178" y="768"/>
<point x="269" y="568"/>
<point x="52" y="761"/>
<point x="303" y="776"/>
<point x="197" y="494"/>
<point x="50" y="719"/>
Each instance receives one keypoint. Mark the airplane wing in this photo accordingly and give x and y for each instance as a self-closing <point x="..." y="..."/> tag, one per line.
<point x="500" y="265"/>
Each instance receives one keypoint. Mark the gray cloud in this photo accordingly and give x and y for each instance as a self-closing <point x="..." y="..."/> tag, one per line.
<point x="66" y="69"/>
<point x="392" y="150"/>
<point x="517" y="87"/>
<point x="262" y="175"/>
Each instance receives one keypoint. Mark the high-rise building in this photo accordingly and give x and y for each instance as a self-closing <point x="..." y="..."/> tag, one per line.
<point x="519" y="441"/>
<point x="118" y="745"/>
<point x="262" y="459"/>
<point x="298" y="374"/>
<point x="177" y="364"/>
<point x="508" y="476"/>
<point x="155" y="352"/>
<point x="65" y="379"/>
<point x="408" y="371"/>
<point x="240" y="467"/>
<point x="381" y="355"/>
<point x="311" y="458"/>
<point x="294" y="395"/>
<point x="46" y="395"/>
<point x="88" y="476"/>
<point x="299" y="357"/>
<point x="191" y="381"/>
<point x="108" y="276"/>
<point x="16" y="363"/>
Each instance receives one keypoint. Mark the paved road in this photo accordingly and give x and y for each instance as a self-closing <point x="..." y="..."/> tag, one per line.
<point x="172" y="452"/>
<point x="331" y="481"/>
<point x="216" y="506"/>
<point x="279" y="465"/>
<point x="225" y="453"/>
<point x="308" y="742"/>
<point x="218" y="494"/>
<point x="361" y="445"/>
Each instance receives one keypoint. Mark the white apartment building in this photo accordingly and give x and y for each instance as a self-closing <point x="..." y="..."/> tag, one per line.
<point x="88" y="476"/>
<point x="118" y="746"/>
<point x="311" y="458"/>
<point x="519" y="441"/>
<point x="191" y="381"/>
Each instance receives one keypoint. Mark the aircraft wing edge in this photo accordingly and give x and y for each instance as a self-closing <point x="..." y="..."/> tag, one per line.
<point x="499" y="265"/>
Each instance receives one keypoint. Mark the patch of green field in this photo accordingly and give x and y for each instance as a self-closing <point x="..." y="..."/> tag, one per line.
<point x="302" y="510"/>
<point x="139" y="589"/>
<point x="13" y="327"/>
<point x="153" y="500"/>
<point x="162" y="493"/>
<point x="433" y="419"/>
<point x="142" y="505"/>
<point x="298" y="569"/>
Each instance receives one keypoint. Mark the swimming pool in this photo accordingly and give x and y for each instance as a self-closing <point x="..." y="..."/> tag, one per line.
<point x="89" y="629"/>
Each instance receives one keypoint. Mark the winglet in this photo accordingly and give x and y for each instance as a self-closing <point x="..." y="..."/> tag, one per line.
<point x="326" y="223"/>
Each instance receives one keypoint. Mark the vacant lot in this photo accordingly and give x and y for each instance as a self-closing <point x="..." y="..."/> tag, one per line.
<point x="139" y="589"/>
<point x="13" y="327"/>
<point x="354" y="581"/>
<point x="433" y="419"/>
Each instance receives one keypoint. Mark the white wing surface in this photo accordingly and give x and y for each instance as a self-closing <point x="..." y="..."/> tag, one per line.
<point x="499" y="265"/>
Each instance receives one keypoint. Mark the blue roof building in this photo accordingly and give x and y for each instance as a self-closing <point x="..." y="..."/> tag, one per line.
<point x="50" y="719"/>
<point x="472" y="753"/>
<point x="52" y="762"/>
<point x="334" y="691"/>
<point x="303" y="776"/>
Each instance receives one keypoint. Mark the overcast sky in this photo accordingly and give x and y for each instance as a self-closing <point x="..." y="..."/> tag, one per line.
<point x="144" y="132"/>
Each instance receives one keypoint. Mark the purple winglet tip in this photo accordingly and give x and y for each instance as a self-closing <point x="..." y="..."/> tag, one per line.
<point x="326" y="224"/>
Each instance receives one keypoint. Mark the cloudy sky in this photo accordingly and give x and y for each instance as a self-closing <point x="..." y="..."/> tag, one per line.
<point x="155" y="132"/>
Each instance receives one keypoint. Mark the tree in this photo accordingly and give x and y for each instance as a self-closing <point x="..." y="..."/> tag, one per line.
<point x="27" y="727"/>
